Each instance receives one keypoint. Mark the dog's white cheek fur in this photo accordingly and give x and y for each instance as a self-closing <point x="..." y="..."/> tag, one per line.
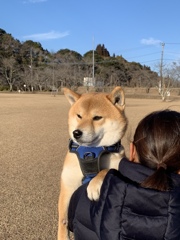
<point x="113" y="132"/>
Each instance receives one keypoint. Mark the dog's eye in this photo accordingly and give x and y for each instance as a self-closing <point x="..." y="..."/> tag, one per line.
<point x="79" y="116"/>
<point x="97" y="118"/>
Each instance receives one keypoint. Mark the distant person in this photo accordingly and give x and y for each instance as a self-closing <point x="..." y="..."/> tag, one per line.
<point x="141" y="201"/>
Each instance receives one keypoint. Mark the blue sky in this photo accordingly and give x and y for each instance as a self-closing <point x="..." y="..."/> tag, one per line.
<point x="134" y="29"/>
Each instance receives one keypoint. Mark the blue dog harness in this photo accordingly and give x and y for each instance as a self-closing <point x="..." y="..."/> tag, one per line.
<point x="89" y="157"/>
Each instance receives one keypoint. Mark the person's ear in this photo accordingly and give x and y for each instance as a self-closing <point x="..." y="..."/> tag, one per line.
<point x="132" y="153"/>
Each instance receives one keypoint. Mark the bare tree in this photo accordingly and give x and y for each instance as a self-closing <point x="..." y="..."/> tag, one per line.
<point x="170" y="77"/>
<point x="173" y="71"/>
<point x="9" y="71"/>
<point x="163" y="82"/>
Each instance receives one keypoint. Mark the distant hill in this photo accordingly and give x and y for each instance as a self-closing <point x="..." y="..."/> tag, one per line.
<point x="26" y="65"/>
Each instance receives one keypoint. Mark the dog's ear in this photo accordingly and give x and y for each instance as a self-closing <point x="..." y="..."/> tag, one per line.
<point x="117" y="98"/>
<point x="71" y="96"/>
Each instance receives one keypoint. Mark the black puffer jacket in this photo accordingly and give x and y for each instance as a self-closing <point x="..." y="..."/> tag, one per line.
<point x="126" y="211"/>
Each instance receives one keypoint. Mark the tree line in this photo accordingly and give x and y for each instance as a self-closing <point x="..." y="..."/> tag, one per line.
<point x="27" y="66"/>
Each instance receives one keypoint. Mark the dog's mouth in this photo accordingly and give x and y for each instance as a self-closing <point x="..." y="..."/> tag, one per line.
<point x="93" y="142"/>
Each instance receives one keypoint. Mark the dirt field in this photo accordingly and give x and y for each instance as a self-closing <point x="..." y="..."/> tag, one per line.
<point x="33" y="143"/>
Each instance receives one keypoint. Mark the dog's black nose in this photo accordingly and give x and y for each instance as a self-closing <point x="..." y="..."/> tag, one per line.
<point x="77" y="134"/>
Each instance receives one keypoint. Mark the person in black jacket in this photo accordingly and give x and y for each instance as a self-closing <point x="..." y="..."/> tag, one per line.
<point x="140" y="201"/>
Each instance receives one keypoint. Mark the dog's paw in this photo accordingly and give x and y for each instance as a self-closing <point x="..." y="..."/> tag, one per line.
<point x="93" y="189"/>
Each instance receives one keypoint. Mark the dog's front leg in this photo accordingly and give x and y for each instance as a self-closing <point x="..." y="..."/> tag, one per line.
<point x="107" y="162"/>
<point x="62" y="208"/>
<point x="71" y="178"/>
<point x="64" y="198"/>
<point x="94" y="187"/>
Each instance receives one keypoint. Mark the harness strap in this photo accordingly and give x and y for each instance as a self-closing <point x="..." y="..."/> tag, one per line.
<point x="89" y="157"/>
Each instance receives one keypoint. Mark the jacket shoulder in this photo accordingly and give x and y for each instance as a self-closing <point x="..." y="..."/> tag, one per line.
<point x="124" y="203"/>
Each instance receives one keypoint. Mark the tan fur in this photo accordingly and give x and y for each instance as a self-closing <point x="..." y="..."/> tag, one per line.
<point x="101" y="119"/>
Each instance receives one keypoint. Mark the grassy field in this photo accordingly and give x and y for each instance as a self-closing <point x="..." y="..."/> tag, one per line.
<point x="33" y="143"/>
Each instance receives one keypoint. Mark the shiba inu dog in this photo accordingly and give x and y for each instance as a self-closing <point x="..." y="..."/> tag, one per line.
<point x="97" y="124"/>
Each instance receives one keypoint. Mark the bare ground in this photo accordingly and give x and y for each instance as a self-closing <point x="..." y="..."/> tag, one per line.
<point x="33" y="143"/>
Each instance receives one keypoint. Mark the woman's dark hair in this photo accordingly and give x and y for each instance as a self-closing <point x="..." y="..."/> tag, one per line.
<point x="157" y="142"/>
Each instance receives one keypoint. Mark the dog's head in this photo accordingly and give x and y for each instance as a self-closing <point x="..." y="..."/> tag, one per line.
<point x="96" y="119"/>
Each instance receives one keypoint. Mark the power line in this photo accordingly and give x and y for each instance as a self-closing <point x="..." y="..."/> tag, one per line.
<point x="132" y="49"/>
<point x="154" y="60"/>
<point x="172" y="43"/>
<point x="144" y="55"/>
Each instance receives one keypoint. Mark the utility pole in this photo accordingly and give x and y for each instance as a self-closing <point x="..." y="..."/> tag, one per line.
<point x="93" y="62"/>
<point x="31" y="59"/>
<point x="161" y="84"/>
<point x="53" y="72"/>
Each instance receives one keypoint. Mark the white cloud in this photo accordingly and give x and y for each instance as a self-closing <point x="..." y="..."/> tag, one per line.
<point x="46" y="36"/>
<point x="150" y="41"/>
